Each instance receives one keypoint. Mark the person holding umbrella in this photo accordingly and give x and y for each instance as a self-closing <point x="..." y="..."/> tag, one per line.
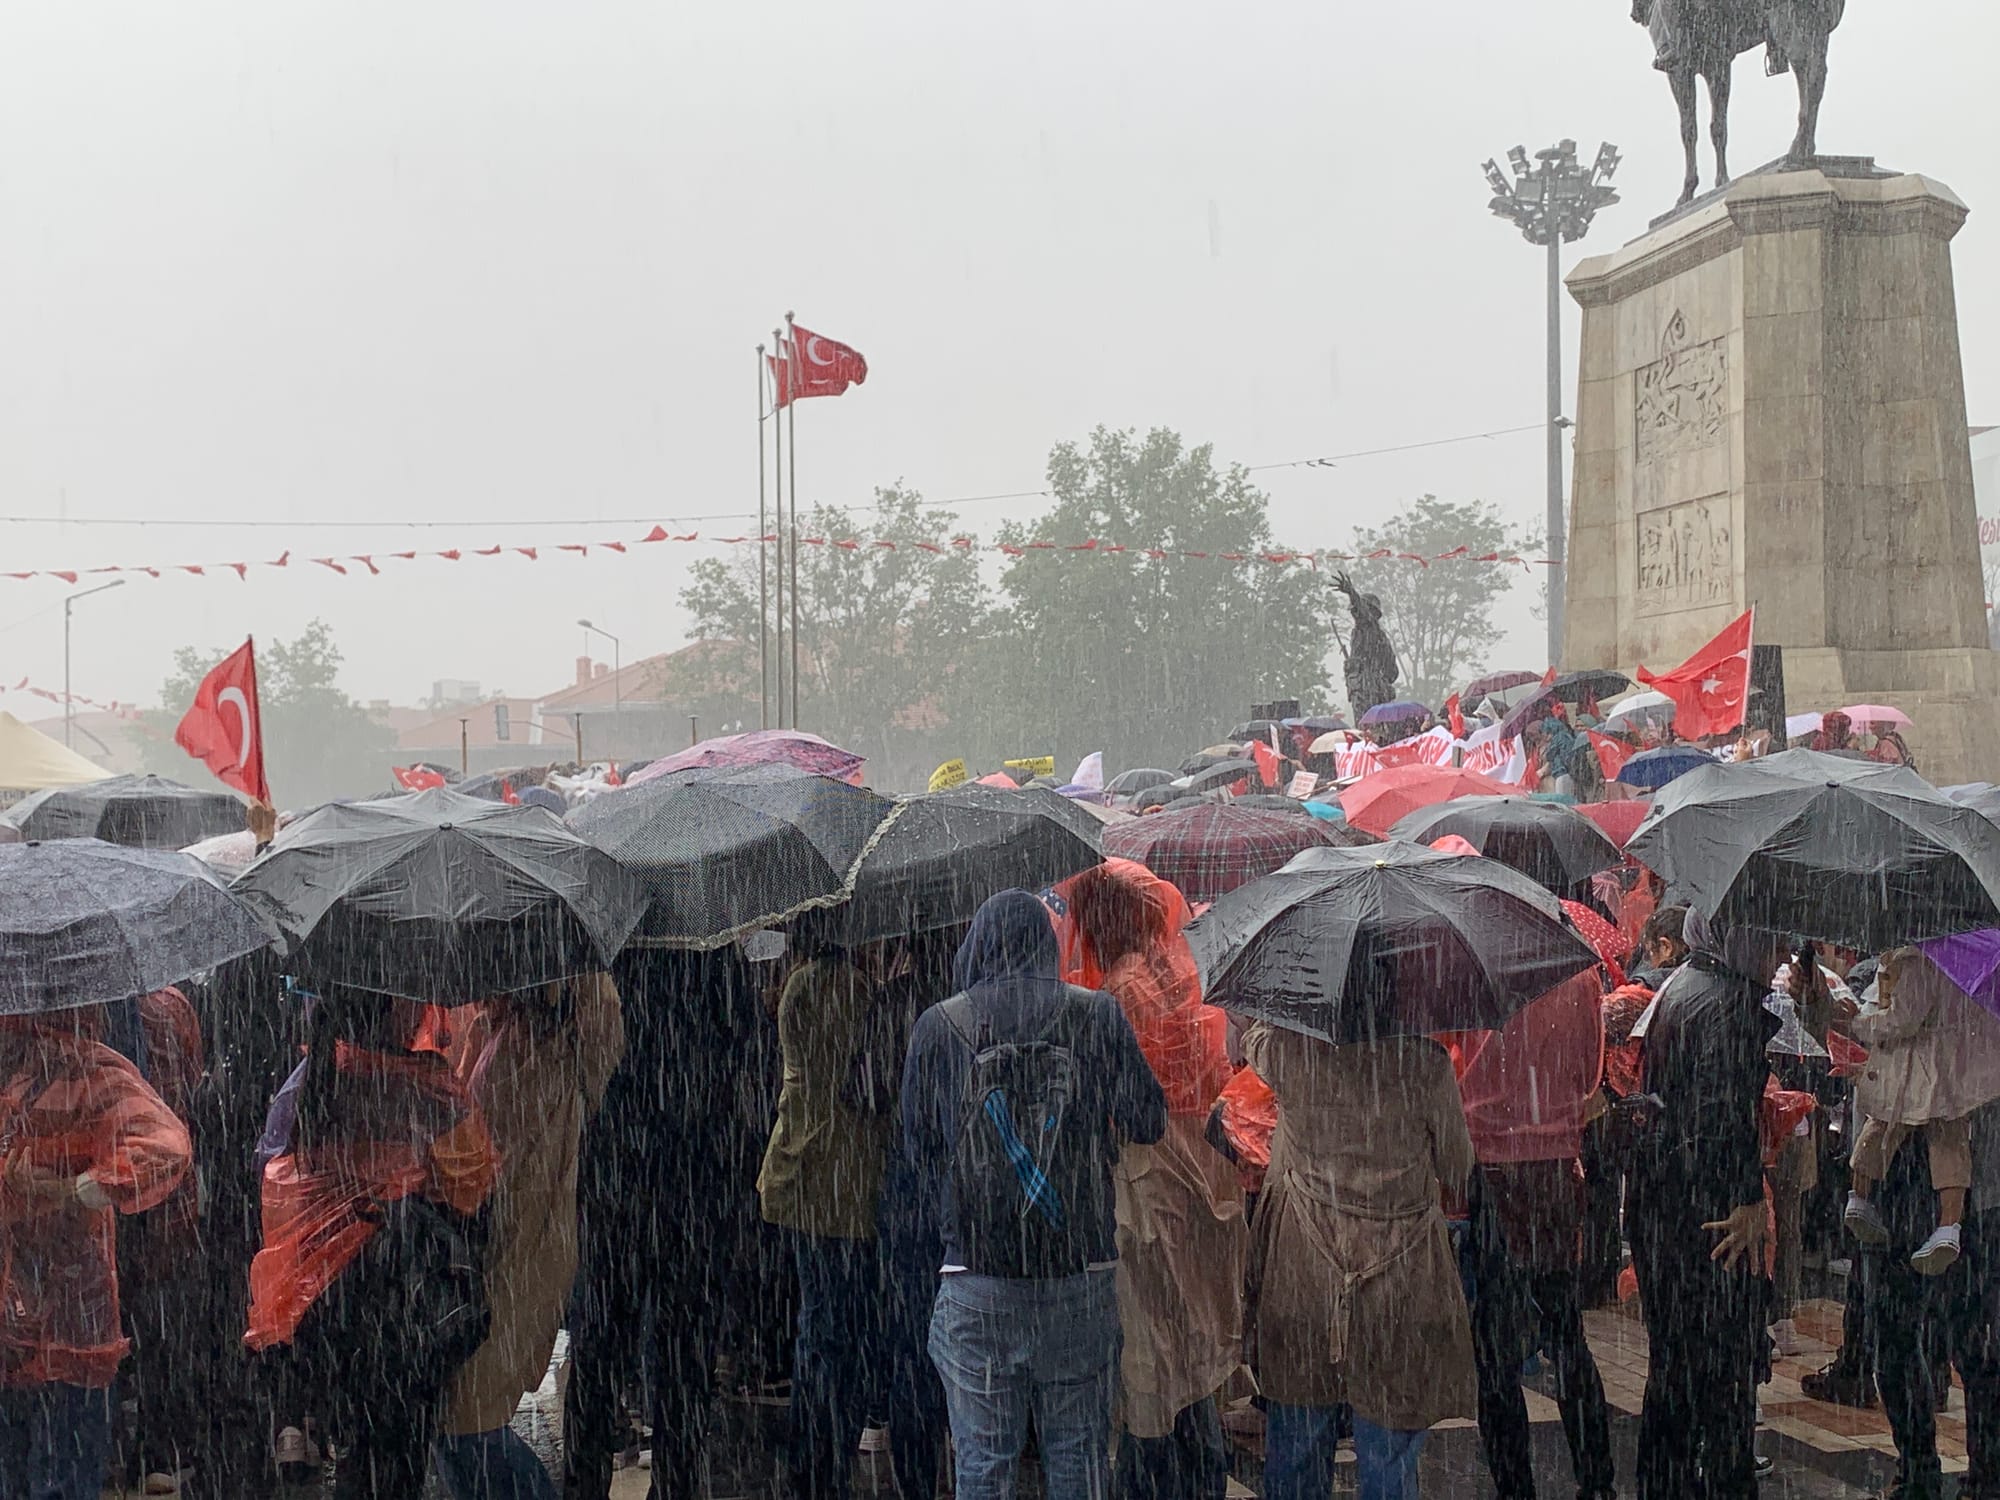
<point x="369" y="1277"/>
<point x="821" y="1179"/>
<point x="1696" y="1215"/>
<point x="1347" y="960"/>
<point x="83" y="1138"/>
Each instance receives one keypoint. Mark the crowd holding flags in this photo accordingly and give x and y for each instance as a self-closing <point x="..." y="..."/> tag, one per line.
<point x="806" y="364"/>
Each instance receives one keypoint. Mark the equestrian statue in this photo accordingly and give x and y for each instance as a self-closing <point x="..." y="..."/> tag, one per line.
<point x="1701" y="39"/>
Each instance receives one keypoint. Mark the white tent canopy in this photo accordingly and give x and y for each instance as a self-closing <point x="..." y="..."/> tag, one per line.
<point x="30" y="761"/>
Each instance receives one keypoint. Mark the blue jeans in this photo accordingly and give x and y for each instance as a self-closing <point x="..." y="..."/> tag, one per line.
<point x="55" y="1442"/>
<point x="1010" y="1350"/>
<point x="1298" y="1455"/>
<point x="494" y="1465"/>
<point x="832" y="1358"/>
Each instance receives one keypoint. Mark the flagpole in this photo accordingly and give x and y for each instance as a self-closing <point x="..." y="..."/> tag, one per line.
<point x="763" y="566"/>
<point x="792" y="410"/>
<point x="778" y="530"/>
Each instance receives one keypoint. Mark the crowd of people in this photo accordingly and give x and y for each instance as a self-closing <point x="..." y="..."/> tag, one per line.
<point x="1008" y="1187"/>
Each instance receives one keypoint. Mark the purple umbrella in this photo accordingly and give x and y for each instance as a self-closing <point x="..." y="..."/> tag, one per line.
<point x="791" y="747"/>
<point x="1970" y="960"/>
<point x="1389" y="713"/>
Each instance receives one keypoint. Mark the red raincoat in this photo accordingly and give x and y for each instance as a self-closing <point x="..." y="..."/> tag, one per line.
<point x="68" y="1106"/>
<point x="1155" y="979"/>
<point x="416" y="1130"/>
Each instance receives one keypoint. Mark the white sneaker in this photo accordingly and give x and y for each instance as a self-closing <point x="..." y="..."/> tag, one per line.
<point x="1937" y="1254"/>
<point x="1785" y="1339"/>
<point x="1864" y="1221"/>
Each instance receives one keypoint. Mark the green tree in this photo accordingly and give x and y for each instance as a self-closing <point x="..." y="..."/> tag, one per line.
<point x="882" y="631"/>
<point x="1139" y="656"/>
<point x="318" y="742"/>
<point x="1439" y="618"/>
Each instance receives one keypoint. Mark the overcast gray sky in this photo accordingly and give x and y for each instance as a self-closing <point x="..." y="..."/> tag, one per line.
<point x="495" y="263"/>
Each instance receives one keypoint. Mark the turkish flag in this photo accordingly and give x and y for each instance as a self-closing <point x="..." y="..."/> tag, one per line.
<point x="418" y="778"/>
<point x="1708" y="688"/>
<point x="816" y="366"/>
<point x="1611" y="753"/>
<point x="223" y="730"/>
<point x="1454" y="717"/>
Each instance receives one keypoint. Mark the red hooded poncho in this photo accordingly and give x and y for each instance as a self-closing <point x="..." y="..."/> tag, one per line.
<point x="68" y="1106"/>
<point x="1127" y="940"/>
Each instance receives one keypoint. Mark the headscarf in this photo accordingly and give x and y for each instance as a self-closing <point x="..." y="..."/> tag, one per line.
<point x="1744" y="951"/>
<point x="1011" y="938"/>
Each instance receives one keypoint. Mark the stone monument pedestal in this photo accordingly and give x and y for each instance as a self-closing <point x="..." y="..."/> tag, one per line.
<point x="1771" y="413"/>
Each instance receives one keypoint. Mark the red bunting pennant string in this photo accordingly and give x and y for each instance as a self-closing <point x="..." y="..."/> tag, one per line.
<point x="356" y="564"/>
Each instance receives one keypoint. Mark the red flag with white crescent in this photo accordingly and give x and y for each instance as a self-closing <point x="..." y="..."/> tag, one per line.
<point x="817" y="366"/>
<point x="223" y="729"/>
<point x="1710" y="687"/>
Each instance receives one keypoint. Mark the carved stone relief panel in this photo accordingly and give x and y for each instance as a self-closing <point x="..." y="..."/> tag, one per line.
<point x="1683" y="396"/>
<point x="1685" y="556"/>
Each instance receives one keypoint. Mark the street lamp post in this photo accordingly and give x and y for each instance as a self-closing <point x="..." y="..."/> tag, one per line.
<point x="69" y="703"/>
<point x="617" y="681"/>
<point x="1553" y="202"/>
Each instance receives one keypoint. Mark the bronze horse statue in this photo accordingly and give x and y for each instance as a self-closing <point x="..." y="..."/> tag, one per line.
<point x="1701" y="39"/>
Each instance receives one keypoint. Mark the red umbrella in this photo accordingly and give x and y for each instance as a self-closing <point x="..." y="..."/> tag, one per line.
<point x="1211" y="847"/>
<point x="1374" y="803"/>
<point x="760" y="747"/>
<point x="1619" y="820"/>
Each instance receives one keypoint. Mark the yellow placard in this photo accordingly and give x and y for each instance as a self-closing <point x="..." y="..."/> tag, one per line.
<point x="950" y="774"/>
<point x="1034" y="765"/>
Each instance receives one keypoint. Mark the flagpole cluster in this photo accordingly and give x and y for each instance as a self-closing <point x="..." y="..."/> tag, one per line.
<point x="804" y="364"/>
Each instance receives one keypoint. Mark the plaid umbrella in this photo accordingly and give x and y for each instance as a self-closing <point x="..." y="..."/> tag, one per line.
<point x="1213" y="847"/>
<point x="760" y="747"/>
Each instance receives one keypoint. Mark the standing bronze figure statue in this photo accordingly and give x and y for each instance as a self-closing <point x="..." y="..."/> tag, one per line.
<point x="1370" y="667"/>
<point x="1701" y="39"/>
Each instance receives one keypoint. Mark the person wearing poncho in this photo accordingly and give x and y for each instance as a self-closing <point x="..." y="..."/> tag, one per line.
<point x="1181" y="1230"/>
<point x="83" y="1138"/>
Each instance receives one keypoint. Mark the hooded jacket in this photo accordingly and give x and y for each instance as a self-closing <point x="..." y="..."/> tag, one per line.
<point x="71" y="1107"/>
<point x="1009" y="967"/>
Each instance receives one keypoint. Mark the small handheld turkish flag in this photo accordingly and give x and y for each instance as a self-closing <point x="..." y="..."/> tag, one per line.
<point x="223" y="730"/>
<point x="1708" y="688"/>
<point x="817" y="366"/>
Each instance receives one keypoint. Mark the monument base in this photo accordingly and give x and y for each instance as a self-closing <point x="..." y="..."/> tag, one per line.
<point x="1771" y="415"/>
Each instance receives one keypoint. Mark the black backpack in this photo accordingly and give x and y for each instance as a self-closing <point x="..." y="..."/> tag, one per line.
<point x="1027" y="1184"/>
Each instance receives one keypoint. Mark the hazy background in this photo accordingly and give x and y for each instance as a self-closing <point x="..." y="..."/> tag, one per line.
<point x="337" y="269"/>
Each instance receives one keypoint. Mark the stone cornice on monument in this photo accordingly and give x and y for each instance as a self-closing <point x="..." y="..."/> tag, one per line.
<point x="1853" y="196"/>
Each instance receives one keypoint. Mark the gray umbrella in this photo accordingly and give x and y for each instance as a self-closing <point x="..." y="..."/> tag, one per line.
<point x="84" y="922"/>
<point x="142" y="812"/>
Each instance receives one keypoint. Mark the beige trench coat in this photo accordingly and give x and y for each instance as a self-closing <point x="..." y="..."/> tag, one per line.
<point x="1181" y="1246"/>
<point x="1354" y="1286"/>
<point x="537" y="1085"/>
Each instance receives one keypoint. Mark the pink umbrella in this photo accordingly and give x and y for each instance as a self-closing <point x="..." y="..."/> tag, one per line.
<point x="792" y="747"/>
<point x="1876" y="713"/>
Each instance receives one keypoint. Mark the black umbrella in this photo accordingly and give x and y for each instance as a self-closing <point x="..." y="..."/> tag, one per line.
<point x="140" y="812"/>
<point x="722" y="850"/>
<point x="83" y="922"/>
<point x="1138" y="779"/>
<point x="1200" y="761"/>
<point x="1572" y="687"/>
<point x="1552" y="845"/>
<point x="439" y="896"/>
<point x="1223" y="773"/>
<point x="1867" y="855"/>
<point x="945" y="853"/>
<point x="1393" y="939"/>
<point x="1270" y="731"/>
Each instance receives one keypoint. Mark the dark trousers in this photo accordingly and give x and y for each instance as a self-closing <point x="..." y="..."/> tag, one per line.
<point x="1189" y="1463"/>
<point x="1517" y="1309"/>
<point x="1698" y="1426"/>
<point x="637" y="1323"/>
<point x="917" y="1419"/>
<point x="832" y="1360"/>
<point x="1604" y="1200"/>
<point x="1961" y="1311"/>
<point x="55" y="1441"/>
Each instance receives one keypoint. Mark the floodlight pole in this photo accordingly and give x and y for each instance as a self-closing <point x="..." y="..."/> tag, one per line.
<point x="1550" y="203"/>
